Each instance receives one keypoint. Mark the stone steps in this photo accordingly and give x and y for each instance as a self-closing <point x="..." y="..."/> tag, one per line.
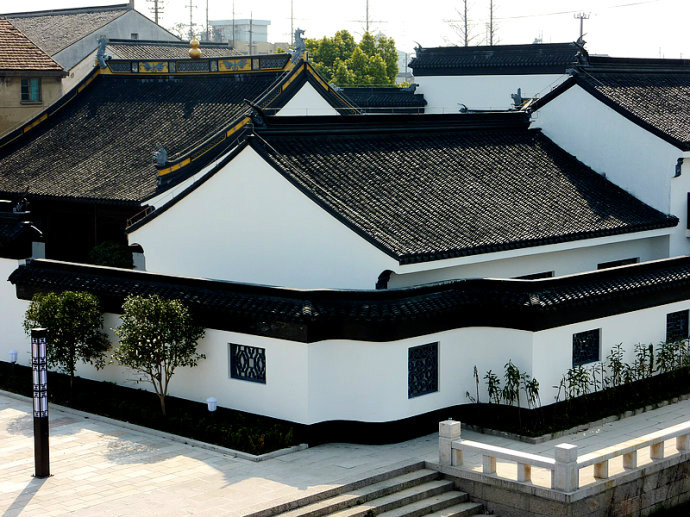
<point x="409" y="491"/>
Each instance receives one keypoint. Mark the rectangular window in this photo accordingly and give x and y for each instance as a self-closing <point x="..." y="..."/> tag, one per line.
<point x="248" y="363"/>
<point x="31" y="89"/>
<point x="536" y="276"/>
<point x="134" y="35"/>
<point x="586" y="347"/>
<point x="422" y="370"/>
<point x="616" y="263"/>
<point x="677" y="326"/>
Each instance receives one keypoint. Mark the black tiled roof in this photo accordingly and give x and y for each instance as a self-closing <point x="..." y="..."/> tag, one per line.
<point x="385" y="100"/>
<point x="313" y="315"/>
<point x="99" y="145"/>
<point x="57" y="29"/>
<point x="536" y="58"/>
<point x="657" y="100"/>
<point x="143" y="49"/>
<point x="431" y="187"/>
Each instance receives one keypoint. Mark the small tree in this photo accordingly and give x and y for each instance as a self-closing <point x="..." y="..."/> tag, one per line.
<point x="156" y="336"/>
<point x="74" y="324"/>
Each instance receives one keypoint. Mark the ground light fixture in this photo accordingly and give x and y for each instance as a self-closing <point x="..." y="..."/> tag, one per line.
<point x="13" y="356"/>
<point x="212" y="403"/>
<point x="39" y="366"/>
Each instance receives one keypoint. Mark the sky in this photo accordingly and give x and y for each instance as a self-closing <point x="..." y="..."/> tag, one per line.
<point x="631" y="28"/>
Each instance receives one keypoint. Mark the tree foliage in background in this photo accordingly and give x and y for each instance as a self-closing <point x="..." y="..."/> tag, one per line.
<point x="157" y="336"/>
<point x="110" y="253"/>
<point x="341" y="61"/>
<point x="74" y="324"/>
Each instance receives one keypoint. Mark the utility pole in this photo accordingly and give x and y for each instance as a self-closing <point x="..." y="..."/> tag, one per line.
<point x="233" y="23"/>
<point x="251" y="33"/>
<point x="491" y="23"/>
<point x="582" y="17"/>
<point x="292" y="24"/>
<point x="367" y="16"/>
<point x="207" y="37"/>
<point x="156" y="8"/>
<point x="191" y="19"/>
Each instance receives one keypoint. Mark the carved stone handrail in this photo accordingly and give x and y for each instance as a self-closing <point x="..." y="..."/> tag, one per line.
<point x="565" y="465"/>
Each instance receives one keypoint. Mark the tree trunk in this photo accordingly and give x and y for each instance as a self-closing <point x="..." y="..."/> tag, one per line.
<point x="162" y="400"/>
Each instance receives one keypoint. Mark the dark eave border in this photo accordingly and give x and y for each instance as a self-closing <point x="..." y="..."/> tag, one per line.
<point x="576" y="80"/>
<point x="314" y="315"/>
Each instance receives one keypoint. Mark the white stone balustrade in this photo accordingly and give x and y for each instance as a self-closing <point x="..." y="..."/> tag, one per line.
<point x="566" y="464"/>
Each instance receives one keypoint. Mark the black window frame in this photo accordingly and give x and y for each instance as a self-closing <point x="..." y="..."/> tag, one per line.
<point x="578" y="338"/>
<point x="684" y="332"/>
<point x="234" y="349"/>
<point x="415" y="363"/>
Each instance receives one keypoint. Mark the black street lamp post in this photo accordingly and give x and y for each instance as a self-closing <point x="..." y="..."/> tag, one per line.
<point x="39" y="363"/>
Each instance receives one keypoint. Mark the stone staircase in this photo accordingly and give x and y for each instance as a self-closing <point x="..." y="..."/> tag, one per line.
<point x="407" y="491"/>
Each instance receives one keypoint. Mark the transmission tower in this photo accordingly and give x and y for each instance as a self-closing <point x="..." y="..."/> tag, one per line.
<point x="156" y="9"/>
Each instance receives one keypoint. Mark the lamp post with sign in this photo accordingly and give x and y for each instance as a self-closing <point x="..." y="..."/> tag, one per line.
<point x="39" y="364"/>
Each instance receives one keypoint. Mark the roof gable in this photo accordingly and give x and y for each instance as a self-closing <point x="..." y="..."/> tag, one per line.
<point x="55" y="30"/>
<point x="18" y="53"/>
<point x="425" y="194"/>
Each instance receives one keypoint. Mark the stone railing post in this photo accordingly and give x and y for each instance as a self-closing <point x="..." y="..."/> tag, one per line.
<point x="565" y="476"/>
<point x="448" y="430"/>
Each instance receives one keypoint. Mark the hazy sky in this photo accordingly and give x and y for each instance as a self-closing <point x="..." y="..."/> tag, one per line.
<point x="638" y="28"/>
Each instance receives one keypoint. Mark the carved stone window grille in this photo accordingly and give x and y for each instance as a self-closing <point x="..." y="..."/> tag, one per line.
<point x="677" y="326"/>
<point x="586" y="347"/>
<point x="192" y="66"/>
<point x="422" y="370"/>
<point x="248" y="363"/>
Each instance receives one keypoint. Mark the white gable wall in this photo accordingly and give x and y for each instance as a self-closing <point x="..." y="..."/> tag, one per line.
<point x="628" y="155"/>
<point x="247" y="223"/>
<point x="307" y="101"/>
<point x="444" y="94"/>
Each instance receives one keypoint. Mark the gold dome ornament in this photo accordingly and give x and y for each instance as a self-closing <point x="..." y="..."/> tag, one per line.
<point x="194" y="51"/>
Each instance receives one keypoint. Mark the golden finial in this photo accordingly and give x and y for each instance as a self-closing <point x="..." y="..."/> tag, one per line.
<point x="194" y="51"/>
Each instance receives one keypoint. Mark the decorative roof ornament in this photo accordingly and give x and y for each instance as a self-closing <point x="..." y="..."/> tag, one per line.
<point x="517" y="98"/>
<point x="194" y="51"/>
<point x="160" y="157"/>
<point x="101" y="57"/>
<point x="300" y="46"/>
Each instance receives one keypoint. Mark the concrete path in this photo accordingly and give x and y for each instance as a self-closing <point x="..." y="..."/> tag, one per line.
<point x="101" y="468"/>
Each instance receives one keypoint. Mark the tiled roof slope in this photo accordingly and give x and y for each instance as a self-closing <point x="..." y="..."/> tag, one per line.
<point x="385" y="100"/>
<point x="56" y="30"/>
<point x="536" y="58"/>
<point x="142" y="49"/>
<point x="313" y="315"/>
<point x="428" y="193"/>
<point x="99" y="146"/>
<point x="659" y="100"/>
<point x="18" y="53"/>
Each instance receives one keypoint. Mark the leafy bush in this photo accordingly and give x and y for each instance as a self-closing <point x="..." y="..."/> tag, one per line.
<point x="113" y="254"/>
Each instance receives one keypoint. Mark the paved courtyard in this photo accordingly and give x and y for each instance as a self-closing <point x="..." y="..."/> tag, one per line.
<point x="102" y="468"/>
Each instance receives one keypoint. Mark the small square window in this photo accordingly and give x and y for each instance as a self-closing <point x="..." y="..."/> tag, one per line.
<point x="422" y="370"/>
<point x="134" y="35"/>
<point x="586" y="347"/>
<point x="677" y="326"/>
<point x="248" y="363"/>
<point x="31" y="89"/>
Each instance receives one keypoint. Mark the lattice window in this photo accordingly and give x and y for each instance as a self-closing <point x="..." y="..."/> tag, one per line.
<point x="422" y="370"/>
<point x="677" y="326"/>
<point x="120" y="66"/>
<point x="272" y="62"/>
<point x="192" y="66"/>
<point x="248" y="363"/>
<point x="586" y="347"/>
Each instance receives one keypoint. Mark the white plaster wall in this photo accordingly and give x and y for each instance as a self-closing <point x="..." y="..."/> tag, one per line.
<point x="577" y="260"/>
<point x="78" y="72"/>
<point x="120" y="28"/>
<point x="12" y="310"/>
<point x="598" y="136"/>
<point x="307" y="101"/>
<point x="680" y="187"/>
<point x="369" y="381"/>
<point x="249" y="224"/>
<point x="552" y="353"/>
<point x="443" y="94"/>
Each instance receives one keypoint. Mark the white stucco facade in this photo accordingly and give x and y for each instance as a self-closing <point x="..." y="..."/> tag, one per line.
<point x="344" y="379"/>
<point x="447" y="94"/>
<point x="247" y="223"/>
<point x="628" y="155"/>
<point x="306" y="102"/>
